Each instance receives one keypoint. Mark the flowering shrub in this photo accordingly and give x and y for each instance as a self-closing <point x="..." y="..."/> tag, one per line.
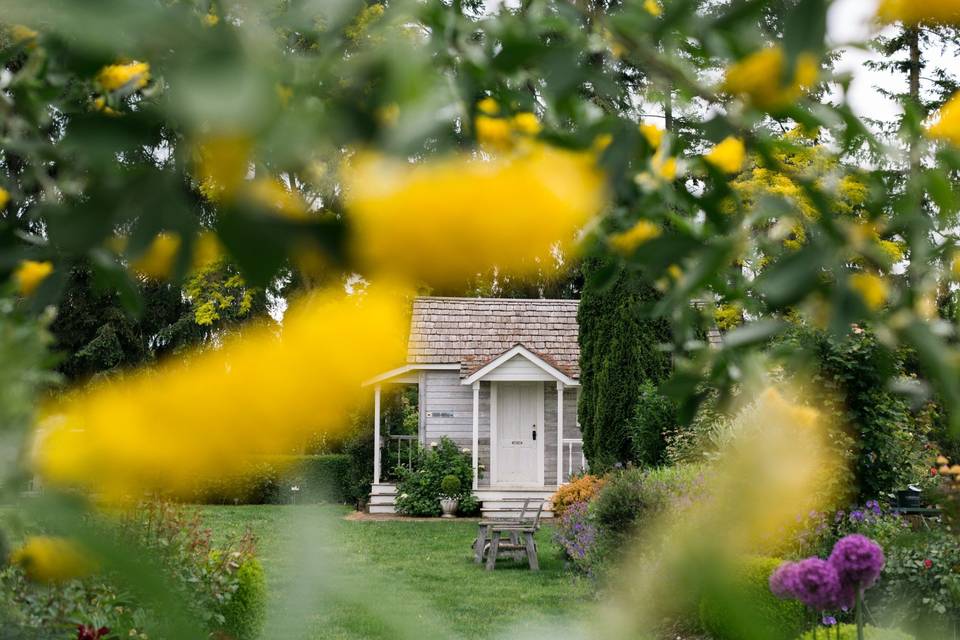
<point x="581" y="489"/>
<point x="223" y="585"/>
<point x="419" y="489"/>
<point x="577" y="535"/>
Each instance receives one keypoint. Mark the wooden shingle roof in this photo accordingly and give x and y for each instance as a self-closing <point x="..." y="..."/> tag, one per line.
<point x="473" y="331"/>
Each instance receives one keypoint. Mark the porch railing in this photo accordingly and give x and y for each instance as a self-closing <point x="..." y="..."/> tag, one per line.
<point x="572" y="460"/>
<point x="399" y="451"/>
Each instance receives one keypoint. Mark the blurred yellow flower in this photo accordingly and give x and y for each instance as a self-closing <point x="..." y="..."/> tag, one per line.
<point x="728" y="156"/>
<point x="206" y="416"/>
<point x="494" y="133"/>
<point x="158" y="259"/>
<point x="20" y="34"/>
<point x="132" y="75"/>
<point x="488" y="106"/>
<point x="627" y="241"/>
<point x="4" y="197"/>
<point x="275" y="196"/>
<point x="100" y="104"/>
<point x="873" y="289"/>
<point x="52" y="559"/>
<point x="665" y="168"/>
<point x="601" y="142"/>
<point x="526" y="123"/>
<point x="222" y="163"/>
<point x="388" y="114"/>
<point x="211" y="19"/>
<point x="447" y="219"/>
<point x="759" y="78"/>
<point x="916" y="11"/>
<point x="947" y="126"/>
<point x="652" y="7"/>
<point x="30" y="274"/>
<point x="653" y="134"/>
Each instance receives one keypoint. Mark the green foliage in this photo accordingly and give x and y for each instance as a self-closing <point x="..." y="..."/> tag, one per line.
<point x="849" y="381"/>
<point x="746" y="610"/>
<point x="619" y="352"/>
<point x="245" y="611"/>
<point x="419" y="489"/>
<point x="654" y="417"/>
<point x="450" y="486"/>
<point x="849" y="632"/>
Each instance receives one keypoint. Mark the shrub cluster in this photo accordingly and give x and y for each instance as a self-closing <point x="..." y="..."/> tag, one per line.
<point x="222" y="585"/>
<point x="420" y="488"/>
<point x="580" y="489"/>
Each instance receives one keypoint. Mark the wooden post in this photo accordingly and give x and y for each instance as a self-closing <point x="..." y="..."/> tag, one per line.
<point x="376" y="434"/>
<point x="559" y="433"/>
<point x="476" y="435"/>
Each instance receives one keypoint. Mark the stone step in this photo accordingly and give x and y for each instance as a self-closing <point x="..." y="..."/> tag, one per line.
<point x="383" y="490"/>
<point x="391" y="500"/>
<point x="380" y="508"/>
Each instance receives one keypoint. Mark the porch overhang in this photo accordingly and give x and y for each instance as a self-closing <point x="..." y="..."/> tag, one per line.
<point x="402" y="374"/>
<point x="521" y="352"/>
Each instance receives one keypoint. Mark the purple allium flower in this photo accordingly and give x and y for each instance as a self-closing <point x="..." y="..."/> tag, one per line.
<point x="828" y="621"/>
<point x="858" y="560"/>
<point x="783" y="580"/>
<point x="817" y="584"/>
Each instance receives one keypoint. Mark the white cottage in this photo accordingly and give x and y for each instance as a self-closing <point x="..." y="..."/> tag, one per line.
<point x="500" y="377"/>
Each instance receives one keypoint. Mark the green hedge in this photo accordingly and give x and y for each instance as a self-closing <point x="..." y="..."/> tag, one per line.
<point x="246" y="610"/>
<point x="319" y="478"/>
<point x="746" y="610"/>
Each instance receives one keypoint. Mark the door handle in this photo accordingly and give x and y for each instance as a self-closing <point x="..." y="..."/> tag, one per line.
<point x="534" y="432"/>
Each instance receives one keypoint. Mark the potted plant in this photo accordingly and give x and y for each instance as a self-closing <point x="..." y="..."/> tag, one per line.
<point x="449" y="495"/>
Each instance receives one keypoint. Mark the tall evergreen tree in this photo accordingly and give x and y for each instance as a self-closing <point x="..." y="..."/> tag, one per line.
<point x="619" y="355"/>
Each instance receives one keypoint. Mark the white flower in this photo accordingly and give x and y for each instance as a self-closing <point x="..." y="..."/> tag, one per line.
<point x="295" y="488"/>
<point x="433" y="444"/>
<point x="466" y="450"/>
<point x="403" y="495"/>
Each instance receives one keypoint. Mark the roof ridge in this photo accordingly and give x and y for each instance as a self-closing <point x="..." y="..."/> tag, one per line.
<point x="480" y="299"/>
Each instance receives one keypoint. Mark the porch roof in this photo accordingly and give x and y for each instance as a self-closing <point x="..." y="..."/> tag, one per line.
<point x="473" y="332"/>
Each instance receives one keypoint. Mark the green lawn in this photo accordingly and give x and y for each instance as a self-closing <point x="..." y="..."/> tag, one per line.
<point x="396" y="579"/>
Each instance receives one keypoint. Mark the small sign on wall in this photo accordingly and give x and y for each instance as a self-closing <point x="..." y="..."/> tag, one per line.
<point x="440" y="414"/>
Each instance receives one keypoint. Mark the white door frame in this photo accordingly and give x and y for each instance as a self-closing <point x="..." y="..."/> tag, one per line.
<point x="541" y="432"/>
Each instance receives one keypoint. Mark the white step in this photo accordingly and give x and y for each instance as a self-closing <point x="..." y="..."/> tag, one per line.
<point x="383" y="489"/>
<point x="381" y="508"/>
<point x="390" y="500"/>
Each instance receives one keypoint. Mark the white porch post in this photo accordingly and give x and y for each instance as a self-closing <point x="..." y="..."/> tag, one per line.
<point x="376" y="434"/>
<point x="559" y="433"/>
<point x="476" y="434"/>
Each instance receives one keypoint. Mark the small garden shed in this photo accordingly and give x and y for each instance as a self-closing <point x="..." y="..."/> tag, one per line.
<point x="500" y="377"/>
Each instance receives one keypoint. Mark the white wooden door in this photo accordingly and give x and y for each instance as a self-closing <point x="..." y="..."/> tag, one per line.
<point x="519" y="432"/>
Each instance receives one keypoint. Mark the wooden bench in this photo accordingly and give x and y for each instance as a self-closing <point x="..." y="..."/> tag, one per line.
<point x="519" y="537"/>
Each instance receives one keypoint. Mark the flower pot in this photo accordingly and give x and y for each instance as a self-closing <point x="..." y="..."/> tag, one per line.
<point x="449" y="507"/>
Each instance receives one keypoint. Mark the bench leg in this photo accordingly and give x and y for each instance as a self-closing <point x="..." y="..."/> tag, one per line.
<point x="479" y="544"/>
<point x="532" y="559"/>
<point x="492" y="553"/>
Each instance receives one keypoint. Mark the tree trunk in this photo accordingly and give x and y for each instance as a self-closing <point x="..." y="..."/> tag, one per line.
<point x="913" y="41"/>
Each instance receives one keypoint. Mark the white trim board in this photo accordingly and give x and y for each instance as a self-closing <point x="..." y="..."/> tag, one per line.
<point x="522" y="351"/>
<point x="399" y="371"/>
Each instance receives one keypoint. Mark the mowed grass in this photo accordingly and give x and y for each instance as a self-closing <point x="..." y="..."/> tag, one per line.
<point x="397" y="579"/>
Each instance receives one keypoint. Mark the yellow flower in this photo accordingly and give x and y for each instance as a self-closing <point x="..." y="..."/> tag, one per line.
<point x="4" y="197"/>
<point x="627" y="241"/>
<point x="675" y="272"/>
<point x="955" y="265"/>
<point x="211" y="20"/>
<point x="601" y="142"/>
<point x="275" y="196"/>
<point x="207" y="415"/>
<point x="916" y="11"/>
<point x="388" y="115"/>
<point x="947" y="126"/>
<point x="100" y="104"/>
<point x="873" y="289"/>
<point x="652" y="7"/>
<point x="759" y="78"/>
<point x="133" y="75"/>
<point x="447" y="219"/>
<point x="158" y="259"/>
<point x="21" y="34"/>
<point x="30" y="274"/>
<point x="52" y="559"/>
<point x="665" y="168"/>
<point x="494" y="133"/>
<point x="653" y="134"/>
<point x="728" y="156"/>
<point x="222" y="163"/>
<point x="488" y="106"/>
<point x="206" y="250"/>
<point x="526" y="123"/>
